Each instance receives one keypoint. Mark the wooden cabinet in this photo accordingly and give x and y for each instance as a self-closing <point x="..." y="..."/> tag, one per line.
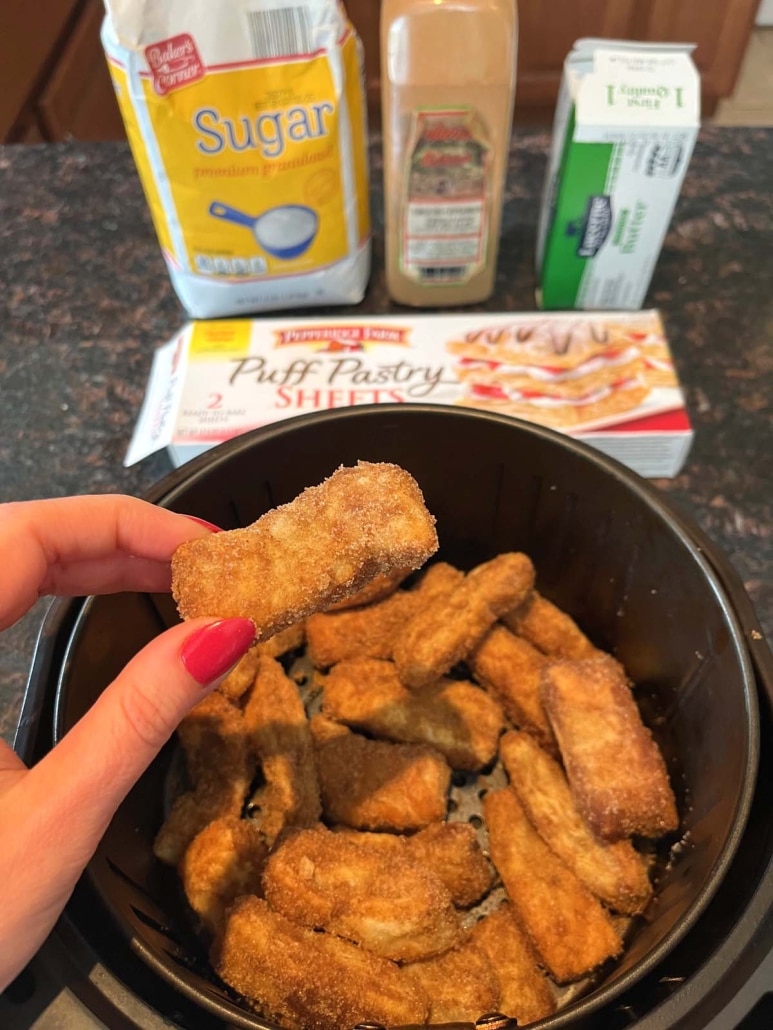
<point x="28" y="40"/>
<point x="54" y="82"/>
<point x="548" y="28"/>
<point x="78" y="100"/>
<point x="721" y="29"/>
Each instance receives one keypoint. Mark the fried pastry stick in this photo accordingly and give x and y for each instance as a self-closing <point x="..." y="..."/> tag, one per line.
<point x="614" y="767"/>
<point x="220" y="766"/>
<point x="383" y="900"/>
<point x="450" y="850"/>
<point x="371" y="632"/>
<point x="461" y="984"/>
<point x="279" y="731"/>
<point x="526" y="994"/>
<point x="455" y="717"/>
<point x="566" y="924"/>
<point x="615" y="873"/>
<point x="511" y="669"/>
<point x="379" y="588"/>
<point x="375" y="785"/>
<point x="302" y="557"/>
<point x="241" y="678"/>
<point x="362" y="632"/>
<point x="548" y="628"/>
<point x="313" y="981"/>
<point x="223" y="862"/>
<point x="450" y="627"/>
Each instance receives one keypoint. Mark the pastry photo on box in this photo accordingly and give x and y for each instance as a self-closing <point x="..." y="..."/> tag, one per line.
<point x="607" y="378"/>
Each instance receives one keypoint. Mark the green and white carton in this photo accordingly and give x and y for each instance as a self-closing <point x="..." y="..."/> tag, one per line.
<point x="625" y="125"/>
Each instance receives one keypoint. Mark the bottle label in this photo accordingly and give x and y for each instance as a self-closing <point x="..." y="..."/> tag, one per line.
<point x="445" y="212"/>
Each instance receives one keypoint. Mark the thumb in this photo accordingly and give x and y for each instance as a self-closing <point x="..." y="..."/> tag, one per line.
<point x="103" y="755"/>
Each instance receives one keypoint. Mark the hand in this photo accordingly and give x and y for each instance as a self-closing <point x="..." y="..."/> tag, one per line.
<point x="53" y="815"/>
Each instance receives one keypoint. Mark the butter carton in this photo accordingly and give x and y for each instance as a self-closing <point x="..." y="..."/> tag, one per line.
<point x="625" y="125"/>
<point x="607" y="379"/>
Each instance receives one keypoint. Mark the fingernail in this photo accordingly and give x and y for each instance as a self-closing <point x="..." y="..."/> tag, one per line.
<point x="214" y="649"/>
<point x="207" y="525"/>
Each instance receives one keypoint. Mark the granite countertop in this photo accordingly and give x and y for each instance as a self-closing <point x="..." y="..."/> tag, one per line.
<point x="86" y="299"/>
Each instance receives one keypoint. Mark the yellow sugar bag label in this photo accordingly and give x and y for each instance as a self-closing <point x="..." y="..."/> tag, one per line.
<point x="247" y="122"/>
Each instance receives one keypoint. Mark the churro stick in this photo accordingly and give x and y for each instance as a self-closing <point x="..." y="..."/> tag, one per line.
<point x="548" y="628"/>
<point x="311" y="980"/>
<point x="371" y="632"/>
<point x="453" y="851"/>
<point x="449" y="628"/>
<point x="511" y="669"/>
<point x="525" y="991"/>
<point x="615" y="873"/>
<point x="362" y="632"/>
<point x="379" y="588"/>
<point x="240" y="679"/>
<point x="279" y="730"/>
<point x="374" y="785"/>
<point x="220" y="767"/>
<point x="223" y="862"/>
<point x="306" y="555"/>
<point x="460" y="720"/>
<point x="460" y="984"/>
<point x="438" y="580"/>
<point x="285" y="640"/>
<point x="242" y="676"/>
<point x="614" y="767"/>
<point x="567" y="925"/>
<point x="450" y="850"/>
<point x="385" y="901"/>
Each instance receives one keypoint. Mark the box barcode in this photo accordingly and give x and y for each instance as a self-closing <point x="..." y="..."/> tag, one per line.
<point x="280" y="32"/>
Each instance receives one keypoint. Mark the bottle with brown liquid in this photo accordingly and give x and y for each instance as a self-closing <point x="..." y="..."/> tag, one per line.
<point x="448" y="85"/>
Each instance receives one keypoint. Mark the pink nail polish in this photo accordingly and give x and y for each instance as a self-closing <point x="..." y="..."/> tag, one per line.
<point x="211" y="651"/>
<point x="203" y="522"/>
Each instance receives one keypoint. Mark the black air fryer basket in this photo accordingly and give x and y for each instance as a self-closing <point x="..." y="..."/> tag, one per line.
<point x="640" y="581"/>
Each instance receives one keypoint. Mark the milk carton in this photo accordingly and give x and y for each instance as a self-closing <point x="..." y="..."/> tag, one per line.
<point x="625" y="125"/>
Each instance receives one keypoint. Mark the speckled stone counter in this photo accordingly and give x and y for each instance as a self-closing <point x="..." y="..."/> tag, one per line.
<point x="85" y="299"/>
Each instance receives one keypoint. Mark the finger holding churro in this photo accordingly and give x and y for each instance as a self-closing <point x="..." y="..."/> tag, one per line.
<point x="304" y="556"/>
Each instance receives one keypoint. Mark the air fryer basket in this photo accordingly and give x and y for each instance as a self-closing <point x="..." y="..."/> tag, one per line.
<point x="605" y="549"/>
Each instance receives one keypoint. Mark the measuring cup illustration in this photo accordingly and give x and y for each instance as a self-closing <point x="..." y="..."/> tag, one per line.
<point x="285" y="232"/>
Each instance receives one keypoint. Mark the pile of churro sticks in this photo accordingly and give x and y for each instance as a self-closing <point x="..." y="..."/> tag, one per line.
<point x="316" y="843"/>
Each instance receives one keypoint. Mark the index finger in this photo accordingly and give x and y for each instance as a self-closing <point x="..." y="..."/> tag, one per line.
<point x="38" y="536"/>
